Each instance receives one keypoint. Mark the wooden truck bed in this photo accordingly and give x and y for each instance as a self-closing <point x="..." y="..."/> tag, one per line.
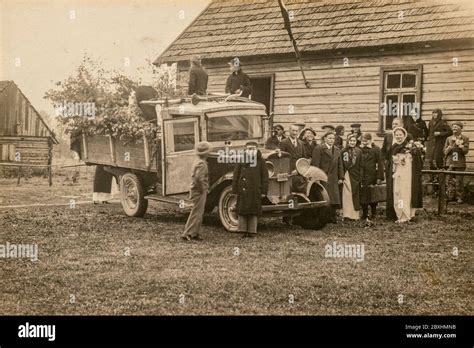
<point x="108" y="151"/>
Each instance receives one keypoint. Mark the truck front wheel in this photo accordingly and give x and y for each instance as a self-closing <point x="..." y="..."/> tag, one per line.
<point x="132" y="195"/>
<point x="227" y="209"/>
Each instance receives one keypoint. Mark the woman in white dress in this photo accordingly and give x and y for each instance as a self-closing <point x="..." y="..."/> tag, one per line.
<point x="406" y="168"/>
<point x="351" y="159"/>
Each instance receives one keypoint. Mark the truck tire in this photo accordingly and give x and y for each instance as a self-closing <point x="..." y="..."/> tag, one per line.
<point x="226" y="207"/>
<point x="313" y="219"/>
<point x="132" y="195"/>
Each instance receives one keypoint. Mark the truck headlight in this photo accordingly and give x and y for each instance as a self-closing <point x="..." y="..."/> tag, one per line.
<point x="271" y="168"/>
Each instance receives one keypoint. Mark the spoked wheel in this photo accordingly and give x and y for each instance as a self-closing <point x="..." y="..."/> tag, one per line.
<point x="132" y="195"/>
<point x="227" y="209"/>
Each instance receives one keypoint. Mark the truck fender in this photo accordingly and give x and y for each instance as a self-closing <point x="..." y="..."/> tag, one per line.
<point x="320" y="187"/>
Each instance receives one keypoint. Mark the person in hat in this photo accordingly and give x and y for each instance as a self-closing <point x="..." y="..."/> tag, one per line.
<point x="198" y="193"/>
<point x="326" y="128"/>
<point x="438" y="131"/>
<point x="404" y="188"/>
<point x="238" y="82"/>
<point x="250" y="184"/>
<point x="456" y="148"/>
<point x="293" y="146"/>
<point x="278" y="135"/>
<point x="307" y="136"/>
<point x="339" y="143"/>
<point x="372" y="173"/>
<point x="351" y="160"/>
<point x="327" y="157"/>
<point x="355" y="129"/>
<point x="198" y="77"/>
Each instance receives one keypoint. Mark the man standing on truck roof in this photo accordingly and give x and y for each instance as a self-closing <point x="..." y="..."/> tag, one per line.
<point x="197" y="77"/>
<point x="238" y="82"/>
<point x="198" y="193"/>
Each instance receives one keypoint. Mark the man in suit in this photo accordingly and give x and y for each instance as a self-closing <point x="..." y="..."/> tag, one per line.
<point x="238" y="82"/>
<point x="274" y="141"/>
<point x="293" y="146"/>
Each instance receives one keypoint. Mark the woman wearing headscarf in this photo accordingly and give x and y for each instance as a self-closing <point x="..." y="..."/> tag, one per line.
<point x="307" y="136"/>
<point x="404" y="193"/>
<point x="351" y="159"/>
<point x="327" y="157"/>
<point x="438" y="131"/>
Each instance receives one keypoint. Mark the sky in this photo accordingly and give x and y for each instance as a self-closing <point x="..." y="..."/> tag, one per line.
<point x="43" y="41"/>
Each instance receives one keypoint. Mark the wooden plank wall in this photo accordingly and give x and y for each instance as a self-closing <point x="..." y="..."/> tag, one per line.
<point x="344" y="95"/>
<point x="32" y="150"/>
<point x="15" y="108"/>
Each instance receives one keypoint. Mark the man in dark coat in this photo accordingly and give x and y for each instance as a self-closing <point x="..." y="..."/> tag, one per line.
<point x="274" y="141"/>
<point x="416" y="127"/>
<point x="327" y="157"/>
<point x="198" y="77"/>
<point x="293" y="146"/>
<point x="456" y="148"/>
<point x="372" y="165"/>
<point x="339" y="143"/>
<point x="238" y="82"/>
<point x="438" y="131"/>
<point x="250" y="184"/>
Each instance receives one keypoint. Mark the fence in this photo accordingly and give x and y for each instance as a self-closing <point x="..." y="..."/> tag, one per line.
<point x="49" y="167"/>
<point x="442" y="176"/>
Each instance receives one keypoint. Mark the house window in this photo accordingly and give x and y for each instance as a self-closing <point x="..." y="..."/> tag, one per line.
<point x="400" y="93"/>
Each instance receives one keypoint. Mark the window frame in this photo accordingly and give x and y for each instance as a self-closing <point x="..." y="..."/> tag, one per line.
<point x="416" y="69"/>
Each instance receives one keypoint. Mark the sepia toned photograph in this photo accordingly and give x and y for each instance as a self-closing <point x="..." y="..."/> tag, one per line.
<point x="236" y="158"/>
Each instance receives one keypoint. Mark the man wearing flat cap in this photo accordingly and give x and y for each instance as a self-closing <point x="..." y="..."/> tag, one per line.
<point x="278" y="135"/>
<point x="198" y="193"/>
<point x="456" y="148"/>
<point x="355" y="129"/>
<point x="327" y="128"/>
<point x="238" y="82"/>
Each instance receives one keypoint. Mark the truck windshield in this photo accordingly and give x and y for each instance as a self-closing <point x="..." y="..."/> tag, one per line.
<point x="240" y="127"/>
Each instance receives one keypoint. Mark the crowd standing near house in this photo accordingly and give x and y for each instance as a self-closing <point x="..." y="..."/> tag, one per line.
<point x="359" y="173"/>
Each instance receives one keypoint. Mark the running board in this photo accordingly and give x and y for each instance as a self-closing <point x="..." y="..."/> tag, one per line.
<point x="175" y="199"/>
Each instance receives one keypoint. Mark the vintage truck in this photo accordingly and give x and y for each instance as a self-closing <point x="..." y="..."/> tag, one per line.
<point x="160" y="169"/>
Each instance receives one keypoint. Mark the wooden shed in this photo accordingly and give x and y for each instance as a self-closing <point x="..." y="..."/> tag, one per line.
<point x="24" y="136"/>
<point x="358" y="57"/>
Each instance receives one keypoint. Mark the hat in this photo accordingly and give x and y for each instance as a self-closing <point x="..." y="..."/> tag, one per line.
<point x="367" y="136"/>
<point x="196" y="58"/>
<point x="251" y="143"/>
<point x="458" y="123"/>
<point x="203" y="148"/>
<point x="275" y="127"/>
<point x="327" y="133"/>
<point x="328" y="126"/>
<point x="302" y="133"/>
<point x="235" y="61"/>
<point x="355" y="125"/>
<point x="352" y="135"/>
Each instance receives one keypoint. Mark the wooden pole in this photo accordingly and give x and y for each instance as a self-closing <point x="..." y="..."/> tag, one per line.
<point x="442" y="209"/>
<point x="19" y="175"/>
<point x="50" y="175"/>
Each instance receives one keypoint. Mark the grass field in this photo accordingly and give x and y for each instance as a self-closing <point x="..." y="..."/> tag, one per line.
<point x="95" y="260"/>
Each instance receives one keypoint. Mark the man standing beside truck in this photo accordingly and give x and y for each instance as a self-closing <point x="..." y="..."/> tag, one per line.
<point x="198" y="193"/>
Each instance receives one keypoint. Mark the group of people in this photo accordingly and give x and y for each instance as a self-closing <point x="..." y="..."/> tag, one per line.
<point x="356" y="167"/>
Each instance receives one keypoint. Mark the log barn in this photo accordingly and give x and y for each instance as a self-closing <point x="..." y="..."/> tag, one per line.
<point x="357" y="56"/>
<point x="25" y="138"/>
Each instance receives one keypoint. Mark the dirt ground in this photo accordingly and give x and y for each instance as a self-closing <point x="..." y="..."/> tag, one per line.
<point x="95" y="260"/>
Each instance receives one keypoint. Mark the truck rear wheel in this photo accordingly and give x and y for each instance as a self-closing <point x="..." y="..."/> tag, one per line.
<point x="132" y="195"/>
<point x="227" y="209"/>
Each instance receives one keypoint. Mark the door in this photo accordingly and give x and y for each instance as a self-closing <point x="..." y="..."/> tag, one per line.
<point x="262" y="91"/>
<point x="180" y="139"/>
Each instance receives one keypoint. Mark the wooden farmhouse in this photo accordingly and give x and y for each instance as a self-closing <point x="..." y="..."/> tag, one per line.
<point x="24" y="136"/>
<point x="358" y="56"/>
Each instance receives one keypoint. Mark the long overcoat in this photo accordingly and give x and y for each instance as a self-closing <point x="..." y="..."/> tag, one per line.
<point x="351" y="161"/>
<point x="330" y="162"/>
<point x="372" y="165"/>
<point x="249" y="183"/>
<point x="435" y="144"/>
